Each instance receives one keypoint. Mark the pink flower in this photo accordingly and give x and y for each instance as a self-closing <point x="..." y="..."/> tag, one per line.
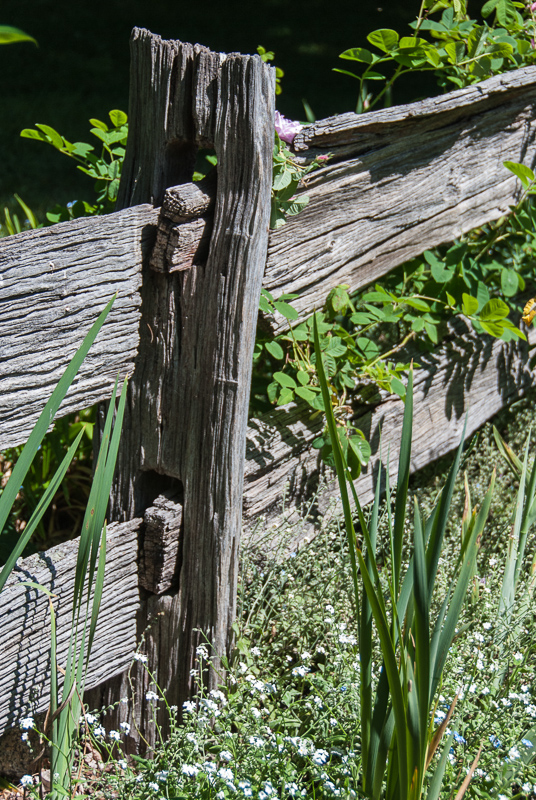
<point x="533" y="7"/>
<point x="285" y="128"/>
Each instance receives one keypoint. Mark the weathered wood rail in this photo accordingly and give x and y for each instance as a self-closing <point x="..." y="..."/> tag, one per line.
<point x="188" y="261"/>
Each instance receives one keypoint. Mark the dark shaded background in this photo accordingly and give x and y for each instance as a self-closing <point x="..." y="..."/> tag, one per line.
<point x="81" y="67"/>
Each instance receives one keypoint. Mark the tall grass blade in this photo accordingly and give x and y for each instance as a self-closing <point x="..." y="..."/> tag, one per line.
<point x="375" y="597"/>
<point x="444" y="633"/>
<point x="39" y="511"/>
<point x="46" y="417"/>
<point x="401" y="496"/>
<point x="434" y="787"/>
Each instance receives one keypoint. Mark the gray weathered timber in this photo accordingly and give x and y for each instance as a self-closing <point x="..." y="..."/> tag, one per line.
<point x="402" y="180"/>
<point x="53" y="284"/>
<point x="466" y="374"/>
<point x="190" y="390"/>
<point x="160" y="549"/>
<point x="184" y="226"/>
<point x="25" y="615"/>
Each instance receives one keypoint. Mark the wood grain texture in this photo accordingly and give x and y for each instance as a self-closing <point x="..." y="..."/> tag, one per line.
<point x="53" y="284"/>
<point x="466" y="375"/>
<point x="25" y="632"/>
<point x="160" y="549"/>
<point x="189" y="393"/>
<point x="376" y="127"/>
<point x="402" y="180"/>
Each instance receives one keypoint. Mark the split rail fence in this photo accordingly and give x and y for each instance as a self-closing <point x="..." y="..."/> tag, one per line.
<point x="188" y="262"/>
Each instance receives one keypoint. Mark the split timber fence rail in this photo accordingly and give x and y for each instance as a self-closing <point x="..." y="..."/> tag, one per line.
<point x="188" y="262"/>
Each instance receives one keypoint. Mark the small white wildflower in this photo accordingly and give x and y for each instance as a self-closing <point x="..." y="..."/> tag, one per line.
<point x="246" y="788"/>
<point x="527" y="787"/>
<point x="27" y="722"/>
<point x="26" y="780"/>
<point x="513" y="753"/>
<point x="162" y="776"/>
<point x="243" y="667"/>
<point x="190" y="769"/>
<point x="256" y="713"/>
<point x="255" y="651"/>
<point x="226" y="774"/>
<point x="256" y="741"/>
<point x="154" y="786"/>
<point x="189" y="707"/>
<point x="201" y="651"/>
<point x="518" y="656"/>
<point x="306" y="656"/>
<point x="486" y="626"/>
<point x="121" y="763"/>
<point x="192" y="737"/>
<point x="140" y="657"/>
<point x="115" y="736"/>
<point x="124" y="700"/>
<point x="347" y="638"/>
<point x="320" y="757"/>
<point x="151" y="696"/>
<point x="125" y="726"/>
<point x="225" y="755"/>
<point x="98" y="730"/>
<point x="301" y="671"/>
<point x="24" y="737"/>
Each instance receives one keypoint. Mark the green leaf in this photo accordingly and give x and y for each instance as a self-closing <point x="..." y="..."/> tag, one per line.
<point x="285" y="380"/>
<point x="469" y="305"/>
<point x="275" y="350"/>
<point x="455" y="51"/>
<point x="288" y="311"/>
<point x="306" y="394"/>
<point x="494" y="310"/>
<point x="369" y="348"/>
<point x="52" y="136"/>
<point x="495" y="329"/>
<point x="431" y="330"/>
<point x="384" y="39"/>
<point x="397" y="387"/>
<point x="509" y="282"/>
<point x="10" y="35"/>
<point x="286" y="396"/>
<point x="358" y="54"/>
<point x="336" y="347"/>
<point x="30" y="133"/>
<point x="272" y="391"/>
<point x="281" y="180"/>
<point x="117" y="118"/>
<point x="524" y="173"/>
<point x="361" y="448"/>
<point x="338" y="299"/>
<point x="303" y="377"/>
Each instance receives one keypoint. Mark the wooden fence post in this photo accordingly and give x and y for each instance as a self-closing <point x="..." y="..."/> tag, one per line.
<point x="183" y="445"/>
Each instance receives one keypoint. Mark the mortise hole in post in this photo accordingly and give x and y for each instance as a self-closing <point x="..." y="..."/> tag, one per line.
<point x="179" y="162"/>
<point x="151" y="484"/>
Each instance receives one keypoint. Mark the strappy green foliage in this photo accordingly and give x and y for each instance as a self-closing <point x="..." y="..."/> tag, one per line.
<point x="397" y="731"/>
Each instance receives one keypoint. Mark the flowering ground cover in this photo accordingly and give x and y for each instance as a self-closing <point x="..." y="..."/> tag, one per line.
<point x="285" y="722"/>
